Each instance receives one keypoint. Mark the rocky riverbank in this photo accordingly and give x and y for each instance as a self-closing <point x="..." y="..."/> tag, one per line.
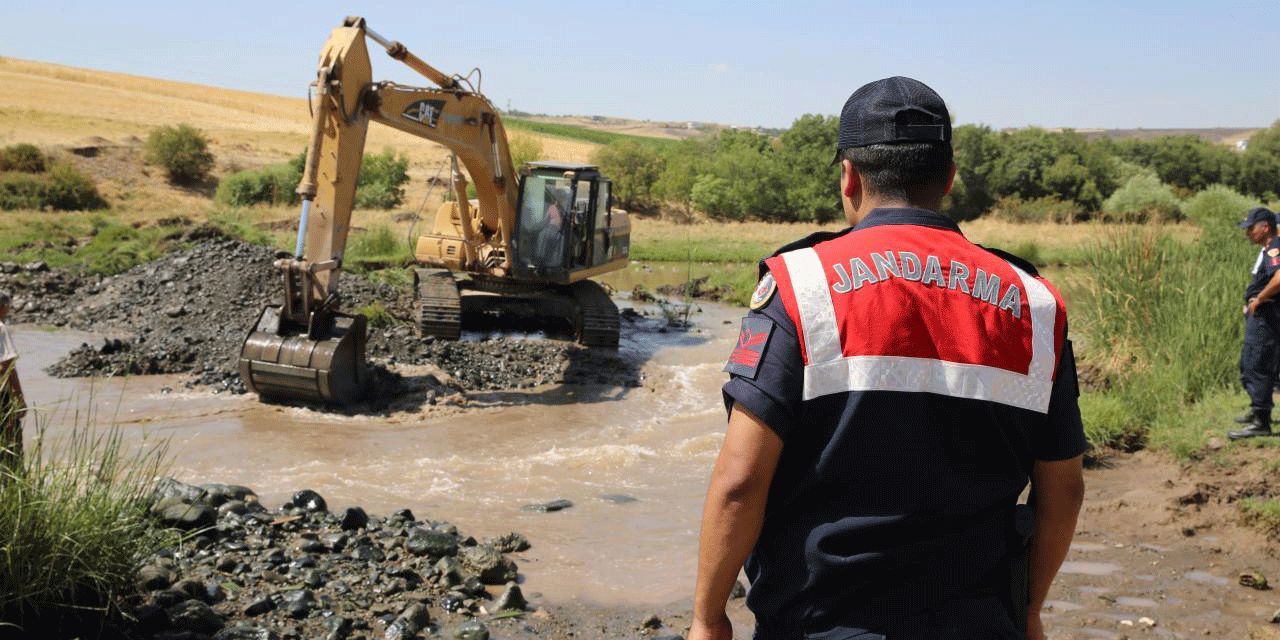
<point x="303" y="571"/>
<point x="189" y="311"/>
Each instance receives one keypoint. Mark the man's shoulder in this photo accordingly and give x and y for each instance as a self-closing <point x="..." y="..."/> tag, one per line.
<point x="803" y="243"/>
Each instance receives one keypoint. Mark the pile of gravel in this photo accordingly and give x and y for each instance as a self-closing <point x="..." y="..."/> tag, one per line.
<point x="190" y="311"/>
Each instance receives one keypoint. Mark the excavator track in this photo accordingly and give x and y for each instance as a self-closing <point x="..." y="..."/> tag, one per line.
<point x="598" y="323"/>
<point x="439" y="305"/>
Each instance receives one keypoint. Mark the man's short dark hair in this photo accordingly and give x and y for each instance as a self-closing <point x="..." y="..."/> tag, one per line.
<point x="911" y="172"/>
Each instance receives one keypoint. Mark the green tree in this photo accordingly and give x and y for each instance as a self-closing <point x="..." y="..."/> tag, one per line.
<point x="1182" y="161"/>
<point x="977" y="152"/>
<point x="804" y="156"/>
<point x="1256" y="173"/>
<point x="1267" y="140"/>
<point x="183" y="152"/>
<point x="634" y="168"/>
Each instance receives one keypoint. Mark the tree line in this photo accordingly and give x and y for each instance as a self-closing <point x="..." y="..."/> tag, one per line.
<point x="1027" y="174"/>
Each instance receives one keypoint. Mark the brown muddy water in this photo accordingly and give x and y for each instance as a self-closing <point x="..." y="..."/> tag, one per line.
<point x="633" y="461"/>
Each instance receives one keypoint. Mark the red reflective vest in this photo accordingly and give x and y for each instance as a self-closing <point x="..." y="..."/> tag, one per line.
<point x="900" y="307"/>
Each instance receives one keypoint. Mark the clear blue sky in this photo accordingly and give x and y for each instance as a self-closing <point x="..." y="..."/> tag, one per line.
<point x="1059" y="63"/>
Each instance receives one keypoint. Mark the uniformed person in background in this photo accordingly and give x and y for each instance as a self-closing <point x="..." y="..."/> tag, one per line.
<point x="12" y="404"/>
<point x="1260" y="354"/>
<point x="893" y="390"/>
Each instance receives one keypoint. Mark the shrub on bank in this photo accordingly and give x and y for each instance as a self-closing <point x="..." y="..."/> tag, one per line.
<point x="23" y="157"/>
<point x="380" y="185"/>
<point x="183" y="152"/>
<point x="73" y="528"/>
<point x="61" y="188"/>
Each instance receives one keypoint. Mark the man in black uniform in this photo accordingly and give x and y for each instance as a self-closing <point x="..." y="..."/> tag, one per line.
<point x="893" y="389"/>
<point x="1260" y="355"/>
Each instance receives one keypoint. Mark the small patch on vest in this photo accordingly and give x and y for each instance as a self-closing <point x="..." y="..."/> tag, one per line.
<point x="752" y="340"/>
<point x="764" y="291"/>
<point x="1273" y="252"/>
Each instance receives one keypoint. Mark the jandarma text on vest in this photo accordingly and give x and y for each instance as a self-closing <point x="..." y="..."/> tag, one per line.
<point x="908" y="266"/>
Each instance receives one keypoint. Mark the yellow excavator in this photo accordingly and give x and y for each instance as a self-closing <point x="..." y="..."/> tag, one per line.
<point x="525" y="246"/>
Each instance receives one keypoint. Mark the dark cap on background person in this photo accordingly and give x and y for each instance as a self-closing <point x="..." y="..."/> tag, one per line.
<point x="1256" y="215"/>
<point x="892" y="111"/>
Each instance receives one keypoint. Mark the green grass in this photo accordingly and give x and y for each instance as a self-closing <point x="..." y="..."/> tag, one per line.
<point x="73" y="529"/>
<point x="579" y="133"/>
<point x="376" y="248"/>
<point x="1262" y="513"/>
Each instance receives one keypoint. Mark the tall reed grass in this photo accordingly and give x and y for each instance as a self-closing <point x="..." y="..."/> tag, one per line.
<point x="73" y="529"/>
<point x="1162" y="323"/>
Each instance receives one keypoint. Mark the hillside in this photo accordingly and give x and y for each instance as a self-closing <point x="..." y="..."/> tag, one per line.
<point x="99" y="119"/>
<point x="106" y="116"/>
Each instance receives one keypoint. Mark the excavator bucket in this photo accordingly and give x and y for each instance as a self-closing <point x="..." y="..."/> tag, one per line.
<point x="323" y="363"/>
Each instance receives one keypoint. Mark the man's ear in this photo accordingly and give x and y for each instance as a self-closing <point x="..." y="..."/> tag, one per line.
<point x="850" y="181"/>
<point x="951" y="179"/>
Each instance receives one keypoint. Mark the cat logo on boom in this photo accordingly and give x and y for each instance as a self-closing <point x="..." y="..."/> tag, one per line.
<point x="425" y="111"/>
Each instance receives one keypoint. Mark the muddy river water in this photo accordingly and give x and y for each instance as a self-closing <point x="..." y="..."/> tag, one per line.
<point x="633" y="461"/>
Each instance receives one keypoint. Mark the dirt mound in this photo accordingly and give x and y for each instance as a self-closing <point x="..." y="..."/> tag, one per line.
<point x="190" y="311"/>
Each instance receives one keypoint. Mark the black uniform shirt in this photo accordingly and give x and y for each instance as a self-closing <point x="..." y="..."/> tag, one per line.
<point x="883" y="502"/>
<point x="1266" y="266"/>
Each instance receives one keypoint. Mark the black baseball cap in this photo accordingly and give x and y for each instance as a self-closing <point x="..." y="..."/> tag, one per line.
<point x="1256" y="215"/>
<point x="893" y="110"/>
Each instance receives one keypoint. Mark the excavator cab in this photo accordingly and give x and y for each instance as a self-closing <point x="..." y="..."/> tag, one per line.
<point x="565" y="223"/>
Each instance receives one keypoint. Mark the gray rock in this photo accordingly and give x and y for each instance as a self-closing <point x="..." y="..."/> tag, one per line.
<point x="309" y="500"/>
<point x="353" y="518"/>
<point x="548" y="507"/>
<point x="154" y="577"/>
<point x="260" y="606"/>
<point x="298" y="604"/>
<point x="336" y="628"/>
<point x="188" y="517"/>
<point x="246" y="633"/>
<point x="509" y="543"/>
<point x="512" y="599"/>
<point x="194" y="616"/>
<point x="489" y="564"/>
<point x="237" y="507"/>
<point x="432" y="543"/>
<point x="470" y="630"/>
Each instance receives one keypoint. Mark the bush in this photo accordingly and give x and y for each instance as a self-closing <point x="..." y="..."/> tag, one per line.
<point x="1142" y="197"/>
<point x="23" y="157"/>
<point x="382" y="178"/>
<point x="61" y="189"/>
<point x="73" y="528"/>
<point x="70" y="190"/>
<point x="183" y="152"/>
<point x="1217" y="207"/>
<point x="275" y="185"/>
<point x="380" y="185"/>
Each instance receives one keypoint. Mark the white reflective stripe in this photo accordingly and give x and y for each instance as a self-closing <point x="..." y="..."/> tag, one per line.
<point x="1044" y="315"/>
<point x="924" y="375"/>
<point x="813" y="303"/>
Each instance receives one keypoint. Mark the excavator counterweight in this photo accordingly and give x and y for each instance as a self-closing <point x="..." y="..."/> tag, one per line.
<point x="526" y="244"/>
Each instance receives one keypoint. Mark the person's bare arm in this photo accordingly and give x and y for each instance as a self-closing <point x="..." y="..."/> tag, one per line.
<point x="732" y="518"/>
<point x="1057" y="491"/>
<point x="1268" y="293"/>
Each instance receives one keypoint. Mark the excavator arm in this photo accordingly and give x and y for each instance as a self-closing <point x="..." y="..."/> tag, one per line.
<point x="305" y="348"/>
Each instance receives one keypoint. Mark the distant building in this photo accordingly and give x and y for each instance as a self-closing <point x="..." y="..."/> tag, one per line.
<point x="1241" y="145"/>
